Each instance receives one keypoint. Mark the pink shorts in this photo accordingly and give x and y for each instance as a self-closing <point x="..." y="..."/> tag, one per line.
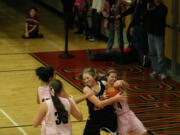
<point x="129" y="123"/>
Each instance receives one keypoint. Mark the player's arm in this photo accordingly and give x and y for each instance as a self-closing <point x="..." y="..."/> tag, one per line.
<point x="97" y="102"/>
<point x="84" y="97"/>
<point x="40" y="115"/>
<point x="122" y="86"/>
<point x="33" y="28"/>
<point x="75" y="111"/>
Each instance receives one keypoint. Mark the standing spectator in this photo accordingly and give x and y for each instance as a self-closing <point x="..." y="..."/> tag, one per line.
<point x="139" y="36"/>
<point x="110" y="10"/>
<point x="96" y="19"/>
<point x="32" y="25"/>
<point x="157" y="13"/>
<point x="81" y="8"/>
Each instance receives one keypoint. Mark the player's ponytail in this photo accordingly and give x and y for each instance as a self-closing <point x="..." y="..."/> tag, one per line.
<point x="55" y="89"/>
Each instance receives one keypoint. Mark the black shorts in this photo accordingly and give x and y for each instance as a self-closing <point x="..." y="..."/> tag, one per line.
<point x="106" y="123"/>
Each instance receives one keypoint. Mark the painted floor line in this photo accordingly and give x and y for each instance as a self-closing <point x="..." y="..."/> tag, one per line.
<point x="54" y="44"/>
<point x="14" y="123"/>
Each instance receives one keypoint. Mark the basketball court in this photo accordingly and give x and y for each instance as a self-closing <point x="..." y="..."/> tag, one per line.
<point x="155" y="102"/>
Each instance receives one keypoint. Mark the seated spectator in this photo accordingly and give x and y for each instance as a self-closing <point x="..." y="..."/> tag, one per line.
<point x="32" y="25"/>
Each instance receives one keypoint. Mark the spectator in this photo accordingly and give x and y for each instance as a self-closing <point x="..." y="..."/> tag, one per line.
<point x="32" y="25"/>
<point x="96" y="19"/>
<point x="156" y="16"/>
<point x="110" y="10"/>
<point x="81" y="8"/>
<point x="137" y="27"/>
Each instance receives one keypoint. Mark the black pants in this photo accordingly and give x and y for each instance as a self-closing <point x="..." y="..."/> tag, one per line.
<point x="143" y="38"/>
<point x="82" y="22"/>
<point x="96" y="23"/>
<point x="33" y="34"/>
<point x="106" y="123"/>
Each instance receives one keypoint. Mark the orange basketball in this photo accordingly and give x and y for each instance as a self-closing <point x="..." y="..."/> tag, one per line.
<point x="111" y="92"/>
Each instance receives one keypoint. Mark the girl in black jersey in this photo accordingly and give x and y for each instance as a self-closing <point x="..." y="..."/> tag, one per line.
<point x="101" y="113"/>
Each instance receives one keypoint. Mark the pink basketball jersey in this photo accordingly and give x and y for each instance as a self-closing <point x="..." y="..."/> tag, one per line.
<point x="127" y="120"/>
<point x="44" y="94"/>
<point x="52" y="124"/>
<point x="124" y="109"/>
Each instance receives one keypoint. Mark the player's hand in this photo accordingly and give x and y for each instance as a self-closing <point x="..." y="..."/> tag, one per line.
<point x="120" y="97"/>
<point x="104" y="96"/>
<point x="71" y="98"/>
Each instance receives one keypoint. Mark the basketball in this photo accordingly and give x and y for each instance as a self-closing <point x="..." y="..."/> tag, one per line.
<point x="111" y="92"/>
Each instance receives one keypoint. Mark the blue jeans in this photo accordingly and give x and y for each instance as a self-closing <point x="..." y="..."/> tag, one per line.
<point x="111" y="32"/>
<point x="156" y="51"/>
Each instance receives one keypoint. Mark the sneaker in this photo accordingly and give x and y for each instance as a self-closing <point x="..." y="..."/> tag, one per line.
<point x="92" y="39"/>
<point x="153" y="74"/>
<point x="163" y="77"/>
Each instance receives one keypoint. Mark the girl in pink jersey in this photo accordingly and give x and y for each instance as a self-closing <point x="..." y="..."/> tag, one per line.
<point x="57" y="111"/>
<point x="45" y="74"/>
<point x="128" y="123"/>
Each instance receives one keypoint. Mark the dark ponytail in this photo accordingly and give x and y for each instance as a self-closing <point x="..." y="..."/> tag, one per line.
<point x="45" y="73"/>
<point x="56" y="87"/>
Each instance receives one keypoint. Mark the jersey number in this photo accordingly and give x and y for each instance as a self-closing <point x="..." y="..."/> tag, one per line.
<point x="58" y="120"/>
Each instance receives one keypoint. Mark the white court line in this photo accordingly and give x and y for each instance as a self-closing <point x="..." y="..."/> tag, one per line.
<point x="15" y="124"/>
<point x="54" y="44"/>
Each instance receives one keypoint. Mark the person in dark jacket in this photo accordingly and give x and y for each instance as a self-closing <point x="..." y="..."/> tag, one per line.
<point x="138" y="9"/>
<point x="156" y="18"/>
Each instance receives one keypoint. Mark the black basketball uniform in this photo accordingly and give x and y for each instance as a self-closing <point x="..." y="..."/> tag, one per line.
<point x="105" y="119"/>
